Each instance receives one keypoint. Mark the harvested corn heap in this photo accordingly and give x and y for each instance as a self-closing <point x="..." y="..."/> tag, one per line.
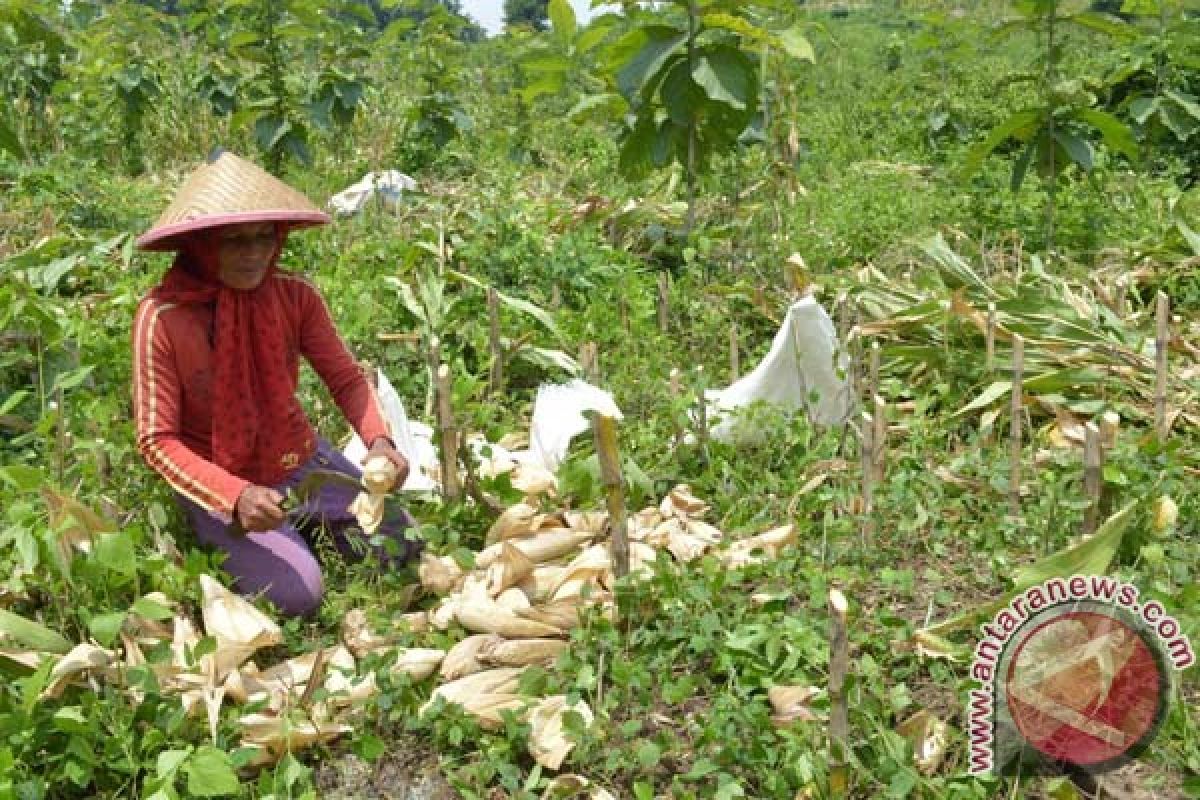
<point x="517" y="606"/>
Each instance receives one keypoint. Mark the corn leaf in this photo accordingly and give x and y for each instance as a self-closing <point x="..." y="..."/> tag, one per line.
<point x="31" y="634"/>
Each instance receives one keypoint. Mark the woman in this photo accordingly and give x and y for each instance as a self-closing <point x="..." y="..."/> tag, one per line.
<point x="216" y="349"/>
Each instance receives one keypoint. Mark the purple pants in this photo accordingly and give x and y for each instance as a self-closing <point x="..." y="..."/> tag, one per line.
<point x="279" y="564"/>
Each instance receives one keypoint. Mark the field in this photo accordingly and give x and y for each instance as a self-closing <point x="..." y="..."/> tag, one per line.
<point x="912" y="165"/>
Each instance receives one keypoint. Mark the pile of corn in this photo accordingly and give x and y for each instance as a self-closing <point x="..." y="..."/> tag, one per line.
<point x="517" y="606"/>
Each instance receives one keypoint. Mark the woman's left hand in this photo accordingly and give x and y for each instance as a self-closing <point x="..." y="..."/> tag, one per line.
<point x="384" y="447"/>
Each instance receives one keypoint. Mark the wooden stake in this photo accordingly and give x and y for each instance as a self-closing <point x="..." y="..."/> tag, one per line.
<point x="1122" y="294"/>
<point x="879" y="439"/>
<point x="675" y="386"/>
<point x="1093" y="476"/>
<point x="1014" y="439"/>
<point x="991" y="337"/>
<point x="868" y="478"/>
<point x="839" y="717"/>
<point x="496" y="375"/>
<point x="875" y="365"/>
<point x="589" y="362"/>
<point x="449" y="435"/>
<point x="676" y="382"/>
<point x="1161" y="340"/>
<point x="734" y="365"/>
<point x="605" y="429"/>
<point x="664" y="299"/>
<point x="60" y="425"/>
<point x="555" y="297"/>
<point x="433" y="357"/>
<point x="1110" y="429"/>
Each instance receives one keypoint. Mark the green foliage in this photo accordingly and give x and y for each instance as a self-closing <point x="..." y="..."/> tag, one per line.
<point x="528" y="13"/>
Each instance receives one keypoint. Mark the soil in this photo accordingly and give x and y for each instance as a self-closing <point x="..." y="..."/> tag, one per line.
<point x="409" y="770"/>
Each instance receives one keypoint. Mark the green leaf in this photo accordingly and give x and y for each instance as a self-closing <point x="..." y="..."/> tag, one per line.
<point x="681" y="97"/>
<point x="1142" y="108"/>
<point x="115" y="552"/>
<point x="31" y="634"/>
<point x="72" y="720"/>
<point x="149" y="609"/>
<point x="1021" y="166"/>
<point x="1103" y="23"/>
<point x="986" y="398"/>
<point x="562" y="20"/>
<point x="1079" y="150"/>
<point x="797" y="45"/>
<point x="726" y="76"/>
<point x="658" y="43"/>
<point x="21" y="477"/>
<point x="105" y="627"/>
<point x="1192" y="238"/>
<point x="210" y="774"/>
<point x="1185" y="101"/>
<point x="1116" y="134"/>
<point x="9" y="141"/>
<point x="169" y="761"/>
<point x="608" y="105"/>
<point x="1020" y="125"/>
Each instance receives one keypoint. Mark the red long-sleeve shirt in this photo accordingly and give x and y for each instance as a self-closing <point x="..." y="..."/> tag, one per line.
<point x="172" y="389"/>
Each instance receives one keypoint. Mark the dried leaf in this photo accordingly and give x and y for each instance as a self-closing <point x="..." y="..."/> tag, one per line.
<point x="548" y="742"/>
<point x="929" y="737"/>
<point x="238" y="627"/>
<point x="790" y="704"/>
<point x="82" y="659"/>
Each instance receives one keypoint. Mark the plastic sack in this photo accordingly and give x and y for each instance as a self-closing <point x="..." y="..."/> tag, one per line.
<point x="805" y="359"/>
<point x="388" y="185"/>
<point x="413" y="439"/>
<point x="558" y="418"/>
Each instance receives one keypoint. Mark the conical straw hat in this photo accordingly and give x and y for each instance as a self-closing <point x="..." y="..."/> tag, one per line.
<point x="225" y="191"/>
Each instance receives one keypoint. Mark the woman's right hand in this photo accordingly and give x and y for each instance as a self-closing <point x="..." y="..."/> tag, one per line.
<point x="258" y="508"/>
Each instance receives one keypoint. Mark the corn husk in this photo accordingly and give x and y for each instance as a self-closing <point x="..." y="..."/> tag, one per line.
<point x="463" y="659"/>
<point x="790" y="704"/>
<point x="592" y="567"/>
<point x="358" y="636"/>
<point x="644" y="521"/>
<point x="509" y="570"/>
<point x="414" y="621"/>
<point x="368" y="510"/>
<point x="541" y="547"/>
<point x="277" y="734"/>
<point x="586" y="521"/>
<point x="379" y="475"/>
<point x="418" y="662"/>
<point x="513" y="599"/>
<point x="533" y="480"/>
<point x="514" y="522"/>
<point x="440" y="575"/>
<point x="442" y="617"/>
<point x="929" y="737"/>
<point x="559" y="614"/>
<point x="497" y="651"/>
<point x="484" y="695"/>
<point x="548" y="742"/>
<point x="484" y="615"/>
<point x="756" y="549"/>
<point x="680" y="502"/>
<point x="539" y="585"/>
<point x="82" y="659"/>
<point x="74" y="523"/>
<point x="238" y="627"/>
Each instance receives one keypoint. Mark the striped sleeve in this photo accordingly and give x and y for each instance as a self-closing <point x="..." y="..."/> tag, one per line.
<point x="325" y="350"/>
<point x="157" y="402"/>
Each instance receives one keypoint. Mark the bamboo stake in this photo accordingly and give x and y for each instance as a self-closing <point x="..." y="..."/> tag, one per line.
<point x="875" y="363"/>
<point x="839" y="718"/>
<point x="588" y="361"/>
<point x="734" y="365"/>
<point x="433" y="357"/>
<point x="496" y="375"/>
<point x="449" y="435"/>
<point x="879" y="439"/>
<point x="1093" y="480"/>
<point x="991" y="337"/>
<point x="1110" y="428"/>
<point x="1161" y="340"/>
<point x="60" y="425"/>
<point x="605" y="429"/>
<point x="664" y="318"/>
<point x="675" y="386"/>
<point x="868" y="478"/>
<point x="1122" y="294"/>
<point x="555" y="297"/>
<point x="1014" y="439"/>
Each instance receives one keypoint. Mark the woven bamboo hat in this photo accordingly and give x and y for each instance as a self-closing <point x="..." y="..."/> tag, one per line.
<point x="224" y="191"/>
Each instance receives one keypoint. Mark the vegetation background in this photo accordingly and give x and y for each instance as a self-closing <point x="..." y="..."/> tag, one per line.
<point x="922" y="158"/>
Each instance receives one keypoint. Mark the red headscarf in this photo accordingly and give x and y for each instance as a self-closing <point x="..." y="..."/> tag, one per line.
<point x="251" y="388"/>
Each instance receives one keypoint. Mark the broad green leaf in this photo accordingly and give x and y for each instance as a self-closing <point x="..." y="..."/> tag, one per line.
<point x="115" y="552"/>
<point x="739" y="25"/>
<point x="548" y="84"/>
<point x="986" y="398"/>
<point x="210" y="773"/>
<point x="1185" y="101"/>
<point x="31" y="634"/>
<point x="1021" y="166"/>
<point x="726" y="76"/>
<point x="1020" y="125"/>
<point x="9" y="141"/>
<point x="71" y="719"/>
<point x="105" y="627"/>
<point x="797" y="45"/>
<point x="169" y="761"/>
<point x="1090" y="557"/>
<point x="22" y="477"/>
<point x="562" y="20"/>
<point x="681" y="97"/>
<point x="1142" y="108"/>
<point x="1056" y="381"/>
<point x="607" y="105"/>
<point x="657" y="44"/>
<point x="596" y="31"/>
<point x="515" y="303"/>
<point x="1079" y="150"/>
<point x="1178" y="121"/>
<point x="954" y="270"/>
<point x="1116" y="134"/>
<point x="150" y="609"/>
<point x="1103" y="23"/>
<point x="71" y="380"/>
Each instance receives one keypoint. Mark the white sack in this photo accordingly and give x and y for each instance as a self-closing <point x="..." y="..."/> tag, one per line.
<point x="413" y="439"/>
<point x="805" y="357"/>
<point x="558" y="418"/>
<point x="389" y="185"/>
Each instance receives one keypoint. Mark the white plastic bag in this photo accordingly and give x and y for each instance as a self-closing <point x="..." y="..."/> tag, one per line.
<point x="389" y="185"/>
<point x="805" y="358"/>
<point x="413" y="439"/>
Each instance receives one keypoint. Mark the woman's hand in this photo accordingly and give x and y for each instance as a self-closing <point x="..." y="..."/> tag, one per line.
<point x="258" y="508"/>
<point x="383" y="446"/>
